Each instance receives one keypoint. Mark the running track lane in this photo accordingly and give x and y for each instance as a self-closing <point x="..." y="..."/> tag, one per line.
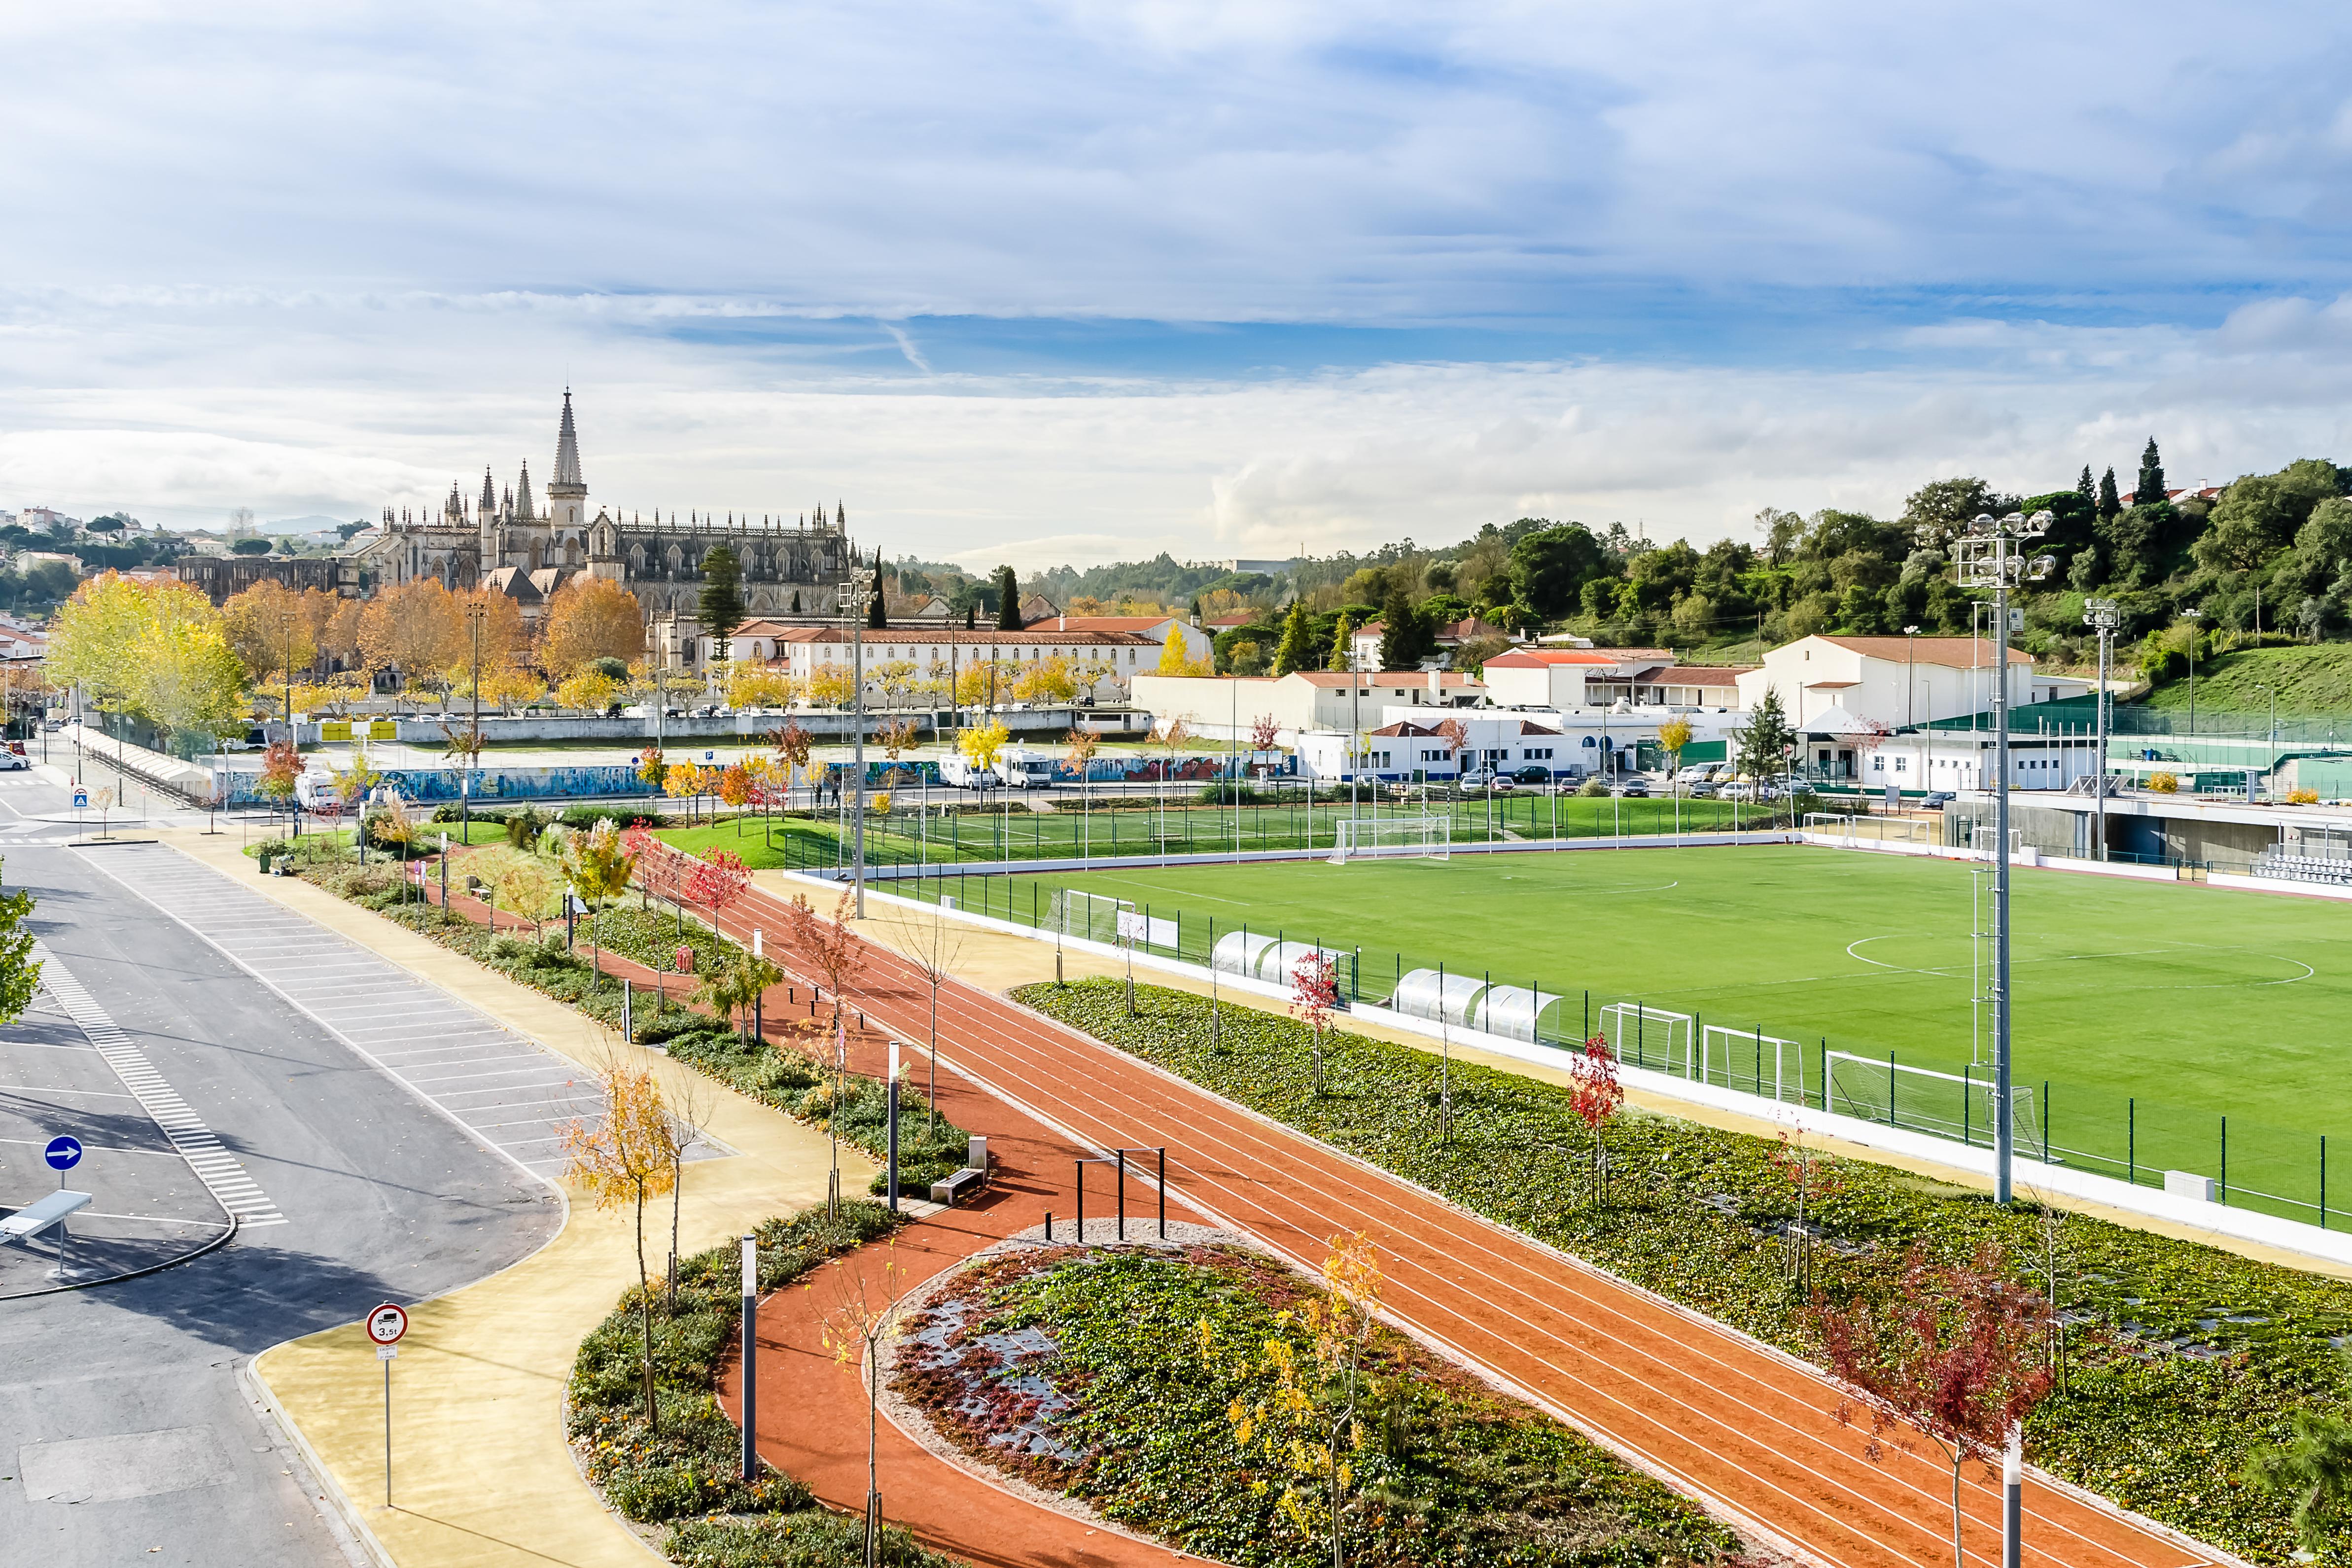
<point x="1719" y="1414"/>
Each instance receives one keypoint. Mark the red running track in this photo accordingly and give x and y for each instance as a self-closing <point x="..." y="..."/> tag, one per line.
<point x="1721" y="1417"/>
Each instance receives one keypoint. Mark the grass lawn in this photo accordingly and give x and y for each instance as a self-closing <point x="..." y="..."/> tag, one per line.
<point x="2195" y="1002"/>
<point x="2311" y="682"/>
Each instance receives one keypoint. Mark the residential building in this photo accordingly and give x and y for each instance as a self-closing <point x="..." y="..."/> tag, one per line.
<point x="1893" y="682"/>
<point x="1227" y="707"/>
<point x="1367" y="638"/>
<point x="46" y="518"/>
<point x="1596" y="677"/>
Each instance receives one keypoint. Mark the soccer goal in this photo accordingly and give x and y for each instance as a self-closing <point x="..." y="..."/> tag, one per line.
<point x="1750" y="1060"/>
<point x="1649" y="1037"/>
<point x="1382" y="838"/>
<point x="1089" y="916"/>
<point x="1842" y="829"/>
<point x="1957" y="1105"/>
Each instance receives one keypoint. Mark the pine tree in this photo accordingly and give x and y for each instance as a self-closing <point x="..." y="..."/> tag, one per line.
<point x="721" y="607"/>
<point x="2150" y="488"/>
<point x="1008" y="599"/>
<point x="1343" y="635"/>
<point x="971" y="616"/>
<point x="1401" y="631"/>
<point x="1294" y="652"/>
<point x="2086" y="489"/>
<point x="2109" y="502"/>
<point x="1764" y="744"/>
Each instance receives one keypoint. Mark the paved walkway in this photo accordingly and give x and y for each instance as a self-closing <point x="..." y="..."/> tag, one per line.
<point x="482" y="1477"/>
<point x="1719" y="1415"/>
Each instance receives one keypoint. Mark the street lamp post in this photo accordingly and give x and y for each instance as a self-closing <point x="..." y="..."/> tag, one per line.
<point x="1910" y="719"/>
<point x="478" y="610"/>
<point x="2102" y="615"/>
<point x="1992" y="554"/>
<point x="2271" y="692"/>
<point x="853" y="604"/>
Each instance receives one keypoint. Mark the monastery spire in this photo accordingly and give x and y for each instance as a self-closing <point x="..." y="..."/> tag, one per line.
<point x="522" y="497"/>
<point x="567" y="448"/>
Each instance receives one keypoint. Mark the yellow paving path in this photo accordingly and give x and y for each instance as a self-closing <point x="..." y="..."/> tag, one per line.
<point x="482" y="1477"/>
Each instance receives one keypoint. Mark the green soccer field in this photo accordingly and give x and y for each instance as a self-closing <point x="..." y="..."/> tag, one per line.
<point x="2150" y="1011"/>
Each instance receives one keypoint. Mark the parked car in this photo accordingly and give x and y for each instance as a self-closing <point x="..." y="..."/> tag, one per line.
<point x="1936" y="800"/>
<point x="1702" y="790"/>
<point x="1633" y="789"/>
<point x="12" y="760"/>
<point x="1533" y="773"/>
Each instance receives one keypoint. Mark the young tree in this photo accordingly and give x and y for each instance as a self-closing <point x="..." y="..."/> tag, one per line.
<point x="720" y="608"/>
<point x="1052" y="682"/>
<point x="716" y="881"/>
<point x="1811" y="1177"/>
<point x="830" y="949"/>
<point x="598" y="865"/>
<point x="1403" y="639"/>
<point x="1764" y="744"/>
<point x="1673" y="736"/>
<point x="1264" y="733"/>
<point x="1596" y="1096"/>
<point x="864" y="1318"/>
<point x="982" y="742"/>
<point x="925" y="938"/>
<point x="2110" y="503"/>
<point x="625" y="1156"/>
<point x="1314" y="996"/>
<point x="1313" y="1418"/>
<point x="1296" y="650"/>
<point x="733" y="987"/>
<point x="1078" y="751"/>
<point x="1955" y="1354"/>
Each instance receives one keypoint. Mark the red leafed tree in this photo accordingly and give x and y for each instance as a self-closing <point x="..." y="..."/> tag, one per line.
<point x="1314" y="993"/>
<point x="1595" y="1095"/>
<point x="717" y="880"/>
<point x="1957" y="1354"/>
<point x="1264" y="732"/>
<point x="658" y="866"/>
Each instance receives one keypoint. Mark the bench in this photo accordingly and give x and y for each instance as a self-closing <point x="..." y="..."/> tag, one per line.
<point x="971" y="1178"/>
<point x="41" y="1214"/>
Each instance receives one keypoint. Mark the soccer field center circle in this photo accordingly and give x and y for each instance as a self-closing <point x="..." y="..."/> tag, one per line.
<point x="1950" y="956"/>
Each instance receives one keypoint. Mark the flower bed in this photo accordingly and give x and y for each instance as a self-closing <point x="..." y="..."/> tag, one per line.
<point x="690" y="1471"/>
<point x="789" y="1081"/>
<point x="2181" y="1359"/>
<point x="1114" y="1375"/>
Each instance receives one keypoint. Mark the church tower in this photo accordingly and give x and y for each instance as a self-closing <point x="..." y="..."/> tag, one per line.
<point x="567" y="493"/>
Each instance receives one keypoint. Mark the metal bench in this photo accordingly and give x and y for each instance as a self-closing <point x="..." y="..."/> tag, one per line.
<point x="41" y="1214"/>
<point x="971" y="1178"/>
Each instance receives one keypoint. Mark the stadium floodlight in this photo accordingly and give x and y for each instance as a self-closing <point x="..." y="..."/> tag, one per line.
<point x="2103" y="616"/>
<point x="1992" y="554"/>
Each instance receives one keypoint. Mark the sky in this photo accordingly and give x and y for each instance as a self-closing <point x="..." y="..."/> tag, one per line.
<point x="1075" y="282"/>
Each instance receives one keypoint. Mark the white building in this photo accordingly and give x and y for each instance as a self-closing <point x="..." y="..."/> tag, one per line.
<point x="1104" y="663"/>
<point x="1226" y="707"/>
<point x="1590" y="677"/>
<point x="1895" y="681"/>
<point x="1415" y="750"/>
<point x="1958" y="759"/>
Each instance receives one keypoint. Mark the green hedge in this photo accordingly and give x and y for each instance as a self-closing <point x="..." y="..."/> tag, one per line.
<point x="693" y="1467"/>
<point x="2181" y="1359"/>
<point x="1447" y="1471"/>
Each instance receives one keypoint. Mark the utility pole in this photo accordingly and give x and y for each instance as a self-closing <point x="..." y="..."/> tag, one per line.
<point x="1910" y="647"/>
<point x="2103" y="615"/>
<point x="1991" y="554"/>
<point x="2192" y="616"/>
<point x="853" y="604"/>
<point x="477" y="610"/>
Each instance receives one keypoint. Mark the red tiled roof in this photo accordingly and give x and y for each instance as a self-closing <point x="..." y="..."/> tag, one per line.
<point x="1954" y="653"/>
<point x="985" y="636"/>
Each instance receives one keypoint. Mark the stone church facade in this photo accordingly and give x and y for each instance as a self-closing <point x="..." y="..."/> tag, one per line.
<point x="527" y="547"/>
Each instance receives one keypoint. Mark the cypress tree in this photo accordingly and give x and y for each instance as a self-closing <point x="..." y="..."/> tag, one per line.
<point x="2150" y="488"/>
<point x="1401" y="631"/>
<point x="1292" y="653"/>
<point x="2109" y="502"/>
<point x="878" y="615"/>
<point x="970" y="616"/>
<point x="721" y="606"/>
<point x="1008" y="599"/>
<point x="1341" y="637"/>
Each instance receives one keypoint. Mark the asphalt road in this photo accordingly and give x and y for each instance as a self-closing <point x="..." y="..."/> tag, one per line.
<point x="123" y="1426"/>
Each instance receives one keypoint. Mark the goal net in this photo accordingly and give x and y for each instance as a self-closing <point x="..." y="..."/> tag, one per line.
<point x="1752" y="1060"/>
<point x="1957" y="1105"/>
<point x="1840" y="829"/>
<point x="1649" y="1037"/>
<point x="1094" y="918"/>
<point x="1369" y="838"/>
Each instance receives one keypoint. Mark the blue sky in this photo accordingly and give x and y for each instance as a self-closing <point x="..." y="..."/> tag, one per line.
<point x="1079" y="281"/>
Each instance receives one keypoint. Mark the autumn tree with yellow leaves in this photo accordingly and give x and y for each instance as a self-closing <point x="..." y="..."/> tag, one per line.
<point x="624" y="1156"/>
<point x="591" y="617"/>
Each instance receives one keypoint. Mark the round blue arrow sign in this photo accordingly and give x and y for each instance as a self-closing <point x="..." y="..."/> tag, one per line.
<point x="63" y="1153"/>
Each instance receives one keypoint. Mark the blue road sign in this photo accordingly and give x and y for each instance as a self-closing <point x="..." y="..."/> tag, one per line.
<point x="63" y="1153"/>
<point x="81" y="799"/>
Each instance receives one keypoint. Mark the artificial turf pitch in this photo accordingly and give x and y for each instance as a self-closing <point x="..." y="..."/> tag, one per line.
<point x="2151" y="1010"/>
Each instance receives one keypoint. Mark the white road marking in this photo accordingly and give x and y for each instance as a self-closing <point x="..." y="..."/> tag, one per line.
<point x="213" y="1164"/>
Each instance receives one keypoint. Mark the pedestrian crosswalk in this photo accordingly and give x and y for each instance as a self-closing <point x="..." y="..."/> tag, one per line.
<point x="223" y="1173"/>
<point x="514" y="1096"/>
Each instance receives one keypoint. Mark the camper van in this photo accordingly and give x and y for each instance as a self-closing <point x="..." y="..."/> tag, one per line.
<point x="963" y="773"/>
<point x="1025" y="770"/>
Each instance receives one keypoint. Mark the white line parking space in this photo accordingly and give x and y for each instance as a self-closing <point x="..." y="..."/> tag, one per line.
<point x="510" y="1093"/>
<point x="218" y="1169"/>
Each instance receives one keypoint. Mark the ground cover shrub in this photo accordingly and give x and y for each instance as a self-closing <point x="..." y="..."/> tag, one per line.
<point x="1113" y="1375"/>
<point x="692" y="1466"/>
<point x="2180" y="1360"/>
